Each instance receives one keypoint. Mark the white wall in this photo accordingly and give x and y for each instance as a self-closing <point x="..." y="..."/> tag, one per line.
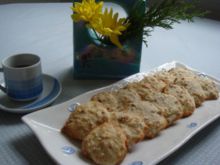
<point x="212" y="5"/>
<point x="26" y="1"/>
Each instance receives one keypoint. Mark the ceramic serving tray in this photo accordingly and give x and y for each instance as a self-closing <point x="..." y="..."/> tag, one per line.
<point x="46" y="125"/>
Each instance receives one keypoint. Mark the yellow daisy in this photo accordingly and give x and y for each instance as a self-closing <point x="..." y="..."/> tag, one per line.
<point x="110" y="26"/>
<point x="87" y="10"/>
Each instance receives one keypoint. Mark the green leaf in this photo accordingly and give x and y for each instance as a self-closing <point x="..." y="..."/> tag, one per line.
<point x="160" y="14"/>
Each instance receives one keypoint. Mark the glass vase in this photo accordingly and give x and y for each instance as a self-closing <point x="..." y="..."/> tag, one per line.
<point x="93" y="60"/>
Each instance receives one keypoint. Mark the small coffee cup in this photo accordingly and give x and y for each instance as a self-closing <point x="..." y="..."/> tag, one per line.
<point x="23" y="77"/>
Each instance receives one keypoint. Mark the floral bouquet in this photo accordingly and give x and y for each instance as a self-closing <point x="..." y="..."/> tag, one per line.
<point x="106" y="46"/>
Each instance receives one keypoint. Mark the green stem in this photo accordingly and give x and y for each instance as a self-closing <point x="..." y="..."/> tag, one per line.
<point x="97" y="36"/>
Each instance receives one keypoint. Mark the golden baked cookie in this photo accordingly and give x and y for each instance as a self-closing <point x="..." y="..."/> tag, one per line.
<point x="169" y="107"/>
<point x="194" y="88"/>
<point x="183" y="96"/>
<point x="86" y="117"/>
<point x="165" y="76"/>
<point x="155" y="83"/>
<point x="210" y="89"/>
<point x="145" y="91"/>
<point x="155" y="122"/>
<point x="208" y="86"/>
<point x="181" y="72"/>
<point x="125" y="97"/>
<point x="132" y="125"/>
<point x="108" y="99"/>
<point x="105" y="145"/>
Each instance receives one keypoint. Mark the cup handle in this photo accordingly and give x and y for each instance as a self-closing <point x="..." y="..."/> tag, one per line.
<point x="1" y="87"/>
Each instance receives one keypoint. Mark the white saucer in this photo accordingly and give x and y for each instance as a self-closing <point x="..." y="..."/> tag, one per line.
<point x="51" y="90"/>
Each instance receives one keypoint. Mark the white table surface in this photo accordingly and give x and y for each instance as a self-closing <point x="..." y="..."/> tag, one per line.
<point x="46" y="29"/>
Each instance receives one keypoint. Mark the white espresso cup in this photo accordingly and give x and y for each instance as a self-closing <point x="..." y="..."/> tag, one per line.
<point x="22" y="77"/>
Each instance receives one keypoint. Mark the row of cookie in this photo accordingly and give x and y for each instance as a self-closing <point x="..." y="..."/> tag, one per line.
<point x="172" y="94"/>
<point x="200" y="87"/>
<point x="138" y="110"/>
<point x="107" y="136"/>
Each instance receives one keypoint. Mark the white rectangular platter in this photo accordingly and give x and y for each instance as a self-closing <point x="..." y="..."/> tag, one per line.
<point x="46" y="125"/>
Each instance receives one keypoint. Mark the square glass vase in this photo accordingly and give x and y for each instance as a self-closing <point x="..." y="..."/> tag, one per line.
<point x="93" y="60"/>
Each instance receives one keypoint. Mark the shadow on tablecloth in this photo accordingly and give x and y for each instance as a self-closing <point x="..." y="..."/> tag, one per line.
<point x="7" y="118"/>
<point x="30" y="149"/>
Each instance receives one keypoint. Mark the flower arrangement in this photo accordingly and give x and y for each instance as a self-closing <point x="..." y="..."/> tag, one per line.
<point x="109" y="46"/>
<point x="109" y="29"/>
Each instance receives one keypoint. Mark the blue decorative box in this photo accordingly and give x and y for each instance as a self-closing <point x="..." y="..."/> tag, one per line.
<point x="93" y="60"/>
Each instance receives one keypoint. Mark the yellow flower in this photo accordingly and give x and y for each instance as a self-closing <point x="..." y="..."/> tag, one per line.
<point x="108" y="25"/>
<point x="87" y="10"/>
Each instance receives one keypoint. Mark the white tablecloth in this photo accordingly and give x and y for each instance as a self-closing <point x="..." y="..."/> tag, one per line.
<point x="46" y="29"/>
